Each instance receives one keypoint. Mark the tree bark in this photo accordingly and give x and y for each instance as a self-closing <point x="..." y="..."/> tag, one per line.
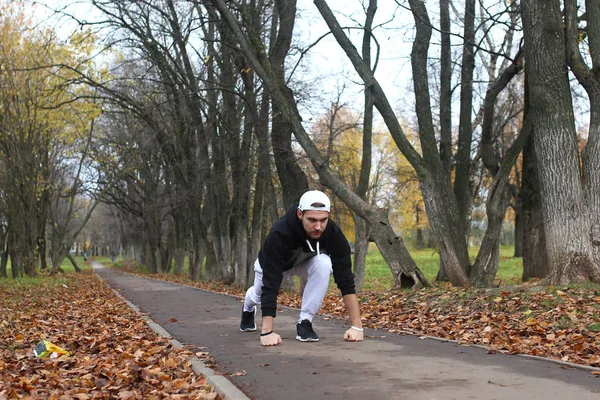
<point x="462" y="180"/>
<point x="73" y="262"/>
<point x="589" y="78"/>
<point x="445" y="103"/>
<point x="445" y="88"/>
<point x="291" y="177"/>
<point x="3" y="252"/>
<point x="567" y="223"/>
<point x="518" y="230"/>
<point x="361" y="230"/>
<point x="535" y="261"/>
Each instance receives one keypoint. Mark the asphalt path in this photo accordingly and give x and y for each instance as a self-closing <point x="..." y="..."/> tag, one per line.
<point x="384" y="366"/>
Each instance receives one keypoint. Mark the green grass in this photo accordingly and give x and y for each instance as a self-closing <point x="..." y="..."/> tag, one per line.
<point x="594" y="327"/>
<point x="65" y="265"/>
<point x="378" y="275"/>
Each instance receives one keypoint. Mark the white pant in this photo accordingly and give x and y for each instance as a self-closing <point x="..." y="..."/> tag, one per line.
<point x="316" y="271"/>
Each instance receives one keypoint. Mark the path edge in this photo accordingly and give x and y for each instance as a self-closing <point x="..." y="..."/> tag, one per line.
<point x="222" y="385"/>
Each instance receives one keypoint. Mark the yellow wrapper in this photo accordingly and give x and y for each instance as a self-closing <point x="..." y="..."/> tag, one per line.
<point x="44" y="349"/>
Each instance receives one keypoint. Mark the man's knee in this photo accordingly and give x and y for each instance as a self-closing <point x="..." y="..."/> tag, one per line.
<point x="321" y="266"/>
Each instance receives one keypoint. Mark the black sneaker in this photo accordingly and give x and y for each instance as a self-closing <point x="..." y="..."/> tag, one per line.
<point x="305" y="332"/>
<point x="247" y="324"/>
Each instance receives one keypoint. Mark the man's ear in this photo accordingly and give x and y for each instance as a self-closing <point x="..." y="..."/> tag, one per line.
<point x="299" y="213"/>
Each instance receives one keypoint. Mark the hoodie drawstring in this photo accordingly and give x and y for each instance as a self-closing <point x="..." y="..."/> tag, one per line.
<point x="311" y="249"/>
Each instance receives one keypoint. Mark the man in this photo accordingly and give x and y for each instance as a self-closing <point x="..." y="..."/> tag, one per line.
<point x="305" y="243"/>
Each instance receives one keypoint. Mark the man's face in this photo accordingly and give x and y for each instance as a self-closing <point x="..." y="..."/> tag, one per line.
<point x="314" y="222"/>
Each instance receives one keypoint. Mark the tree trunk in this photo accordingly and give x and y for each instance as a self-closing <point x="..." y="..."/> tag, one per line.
<point x="567" y="223"/>
<point x="242" y="163"/>
<point x="420" y="244"/>
<point x="462" y="179"/>
<point x="445" y="88"/>
<point x="535" y="260"/>
<point x="179" y="251"/>
<point x="15" y="263"/>
<point x="361" y="229"/>
<point x="361" y="248"/>
<point x="42" y="250"/>
<point x="263" y="182"/>
<point x="518" y="230"/>
<point x="587" y="75"/>
<point x="291" y="177"/>
<point x="4" y="250"/>
<point x="197" y="256"/>
<point x="404" y="270"/>
<point x="445" y="103"/>
<point x="73" y="262"/>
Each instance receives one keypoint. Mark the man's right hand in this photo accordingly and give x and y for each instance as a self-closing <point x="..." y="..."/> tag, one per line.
<point x="272" y="339"/>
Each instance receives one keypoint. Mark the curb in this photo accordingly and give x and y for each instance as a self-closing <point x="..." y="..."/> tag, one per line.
<point x="222" y="385"/>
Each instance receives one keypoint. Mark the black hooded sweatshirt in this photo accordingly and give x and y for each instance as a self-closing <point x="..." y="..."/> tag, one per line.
<point x="286" y="247"/>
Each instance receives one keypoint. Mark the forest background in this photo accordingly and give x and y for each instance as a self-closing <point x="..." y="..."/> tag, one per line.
<point x="176" y="132"/>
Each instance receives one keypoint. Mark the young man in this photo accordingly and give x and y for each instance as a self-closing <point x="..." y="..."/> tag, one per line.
<point x="305" y="243"/>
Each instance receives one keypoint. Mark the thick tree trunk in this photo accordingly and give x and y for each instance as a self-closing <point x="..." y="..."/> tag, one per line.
<point x="15" y="263"/>
<point x="587" y="75"/>
<point x="404" y="270"/>
<point x="518" y="230"/>
<point x="567" y="223"/>
<point x="535" y="260"/>
<point x="197" y="256"/>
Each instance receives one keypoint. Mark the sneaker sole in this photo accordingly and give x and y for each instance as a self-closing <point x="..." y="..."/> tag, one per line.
<point x="306" y="340"/>
<point x="248" y="329"/>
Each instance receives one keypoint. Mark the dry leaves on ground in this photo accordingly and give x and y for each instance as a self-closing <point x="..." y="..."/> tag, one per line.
<point x="114" y="354"/>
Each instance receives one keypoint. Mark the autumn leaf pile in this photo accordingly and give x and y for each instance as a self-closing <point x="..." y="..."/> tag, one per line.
<point x="114" y="354"/>
<point x="562" y="324"/>
<point x="558" y="324"/>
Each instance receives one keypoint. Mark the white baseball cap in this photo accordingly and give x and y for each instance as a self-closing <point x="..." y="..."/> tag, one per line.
<point x="310" y="198"/>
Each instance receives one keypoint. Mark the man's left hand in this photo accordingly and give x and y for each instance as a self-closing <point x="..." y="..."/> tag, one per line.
<point x="352" y="335"/>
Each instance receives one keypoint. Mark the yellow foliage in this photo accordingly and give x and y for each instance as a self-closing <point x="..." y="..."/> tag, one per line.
<point x="339" y="138"/>
<point x="43" y="107"/>
<point x="404" y="198"/>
